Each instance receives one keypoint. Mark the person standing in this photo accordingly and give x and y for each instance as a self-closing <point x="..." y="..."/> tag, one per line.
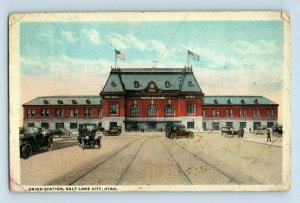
<point x="242" y="132"/>
<point x="268" y="135"/>
<point x="250" y="129"/>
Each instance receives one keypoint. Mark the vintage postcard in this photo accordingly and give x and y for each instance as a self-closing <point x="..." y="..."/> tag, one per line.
<point x="149" y="101"/>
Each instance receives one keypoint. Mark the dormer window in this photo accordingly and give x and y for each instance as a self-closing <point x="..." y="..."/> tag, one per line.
<point x="190" y="84"/>
<point x="46" y="101"/>
<point x="215" y="101"/>
<point x="255" y="101"/>
<point x="229" y="101"/>
<point x="88" y="101"/>
<point x="60" y="101"/>
<point x="113" y="83"/>
<point x="242" y="101"/>
<point x="136" y="84"/>
<point x="167" y="84"/>
<point x="74" y="101"/>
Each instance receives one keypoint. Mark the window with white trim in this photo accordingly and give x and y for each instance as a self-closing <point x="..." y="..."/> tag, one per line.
<point x="191" y="109"/>
<point x="152" y="110"/>
<point x="134" y="110"/>
<point x="169" y="110"/>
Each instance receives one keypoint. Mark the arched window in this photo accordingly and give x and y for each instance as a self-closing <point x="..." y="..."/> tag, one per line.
<point x="229" y="101"/>
<point x="74" y="101"/>
<point x="215" y="101"/>
<point x="169" y="110"/>
<point x="46" y="101"/>
<point x="88" y="101"/>
<point x="167" y="84"/>
<point x="255" y="101"/>
<point x="190" y="83"/>
<point x="152" y="110"/>
<point x="136" y="84"/>
<point x="60" y="101"/>
<point x="242" y="101"/>
<point x="113" y="83"/>
<point x="134" y="110"/>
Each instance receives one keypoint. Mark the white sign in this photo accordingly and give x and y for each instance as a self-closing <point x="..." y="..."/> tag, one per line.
<point x="152" y="97"/>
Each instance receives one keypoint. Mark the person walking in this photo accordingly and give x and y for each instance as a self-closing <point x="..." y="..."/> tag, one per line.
<point x="242" y="132"/>
<point x="269" y="136"/>
<point x="250" y="129"/>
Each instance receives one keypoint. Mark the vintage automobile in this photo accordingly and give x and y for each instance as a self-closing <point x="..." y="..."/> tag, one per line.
<point x="260" y="130"/>
<point x="89" y="136"/>
<point x="175" y="131"/>
<point x="59" y="132"/>
<point x="32" y="140"/>
<point x="228" y="132"/>
<point x="117" y="130"/>
<point x="277" y="131"/>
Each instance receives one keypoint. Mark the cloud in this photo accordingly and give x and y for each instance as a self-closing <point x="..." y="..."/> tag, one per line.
<point x="260" y="47"/>
<point x="126" y="41"/>
<point x="92" y="35"/>
<point x="68" y="36"/>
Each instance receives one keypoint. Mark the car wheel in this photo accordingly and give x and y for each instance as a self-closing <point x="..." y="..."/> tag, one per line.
<point x="224" y="134"/>
<point x="191" y="135"/>
<point x="26" y="151"/>
<point x="50" y="145"/>
<point x="173" y="136"/>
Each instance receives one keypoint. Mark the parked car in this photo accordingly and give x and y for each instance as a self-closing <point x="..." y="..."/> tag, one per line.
<point x="34" y="139"/>
<point x="117" y="130"/>
<point x="59" y="132"/>
<point x="89" y="136"/>
<point x="228" y="132"/>
<point x="277" y="131"/>
<point x="174" y="131"/>
<point x="260" y="130"/>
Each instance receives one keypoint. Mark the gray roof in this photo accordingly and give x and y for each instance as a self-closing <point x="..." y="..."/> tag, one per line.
<point x="180" y="79"/>
<point x="66" y="100"/>
<point x="237" y="100"/>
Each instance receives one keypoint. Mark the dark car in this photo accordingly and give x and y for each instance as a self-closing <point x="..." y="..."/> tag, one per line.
<point x="117" y="130"/>
<point x="228" y="132"/>
<point x="89" y="136"/>
<point x="32" y="140"/>
<point x="59" y="132"/>
<point x="174" y="131"/>
<point x="277" y="131"/>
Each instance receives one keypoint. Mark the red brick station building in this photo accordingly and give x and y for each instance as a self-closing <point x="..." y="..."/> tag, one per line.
<point x="150" y="98"/>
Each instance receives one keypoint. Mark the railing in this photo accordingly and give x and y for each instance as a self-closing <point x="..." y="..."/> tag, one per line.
<point x="155" y="70"/>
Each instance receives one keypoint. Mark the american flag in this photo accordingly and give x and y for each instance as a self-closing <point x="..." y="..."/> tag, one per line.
<point x="193" y="56"/>
<point x="119" y="55"/>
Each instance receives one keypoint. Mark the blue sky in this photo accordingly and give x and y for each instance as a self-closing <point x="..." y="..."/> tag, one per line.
<point x="236" y="57"/>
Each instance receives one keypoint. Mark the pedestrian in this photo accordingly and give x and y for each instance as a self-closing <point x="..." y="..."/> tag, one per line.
<point x="268" y="135"/>
<point x="250" y="129"/>
<point x="242" y="132"/>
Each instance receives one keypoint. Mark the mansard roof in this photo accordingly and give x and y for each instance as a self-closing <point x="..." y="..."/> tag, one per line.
<point x="166" y="79"/>
<point x="237" y="100"/>
<point x="66" y="100"/>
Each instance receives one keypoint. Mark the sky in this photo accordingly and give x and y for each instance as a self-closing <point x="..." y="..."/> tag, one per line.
<point x="236" y="57"/>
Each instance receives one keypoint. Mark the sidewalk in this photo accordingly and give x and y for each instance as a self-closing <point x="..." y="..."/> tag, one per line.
<point x="262" y="139"/>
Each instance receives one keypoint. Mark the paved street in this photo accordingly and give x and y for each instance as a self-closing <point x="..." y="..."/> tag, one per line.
<point x="153" y="159"/>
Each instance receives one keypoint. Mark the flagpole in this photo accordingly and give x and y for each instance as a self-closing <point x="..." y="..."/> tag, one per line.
<point x="115" y="60"/>
<point x="188" y="59"/>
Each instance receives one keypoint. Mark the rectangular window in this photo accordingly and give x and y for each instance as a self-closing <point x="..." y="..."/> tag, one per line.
<point x="113" y="109"/>
<point x="229" y="124"/>
<point x="243" y="124"/>
<point x="30" y="113"/>
<point x="44" y="112"/>
<point x="204" y="126"/>
<point x="216" y="113"/>
<point x="152" y="125"/>
<point x="270" y="112"/>
<point x="270" y="124"/>
<point x="59" y="112"/>
<point x="87" y="112"/>
<point x="190" y="125"/>
<point x="191" y="109"/>
<point x="256" y="112"/>
<point x="73" y="125"/>
<point x="30" y="125"/>
<point x="216" y="126"/>
<point x="45" y="125"/>
<point x="243" y="112"/>
<point x="204" y="112"/>
<point x="74" y="113"/>
<point x="99" y="112"/>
